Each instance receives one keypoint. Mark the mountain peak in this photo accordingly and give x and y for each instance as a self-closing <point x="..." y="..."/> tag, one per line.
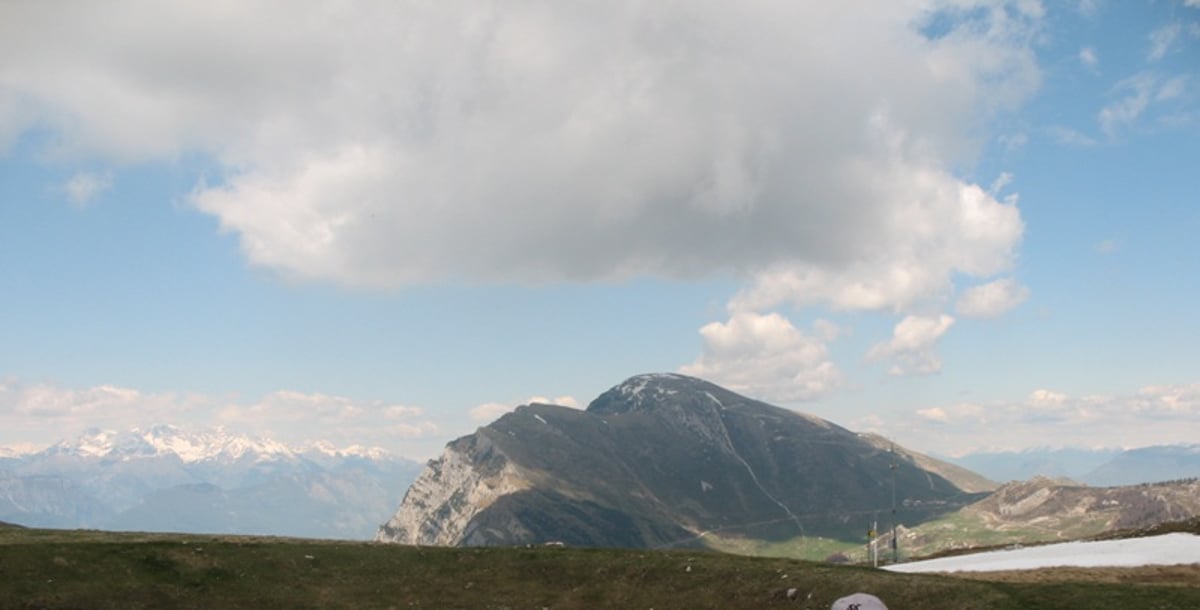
<point x="645" y="392"/>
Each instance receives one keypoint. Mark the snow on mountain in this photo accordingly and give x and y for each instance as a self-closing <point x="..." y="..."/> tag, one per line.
<point x="203" y="480"/>
<point x="1168" y="549"/>
<point x="328" y="449"/>
<point x="194" y="445"/>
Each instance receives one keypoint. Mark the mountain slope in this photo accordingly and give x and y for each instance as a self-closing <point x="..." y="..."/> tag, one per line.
<point x="1003" y="466"/>
<point x="660" y="460"/>
<point x="1045" y="510"/>
<point x="1148" y="464"/>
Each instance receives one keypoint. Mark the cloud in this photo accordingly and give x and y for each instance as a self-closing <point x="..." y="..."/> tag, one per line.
<point x="1107" y="246"/>
<point x="47" y="412"/>
<point x="1014" y="141"/>
<point x="958" y="413"/>
<point x="490" y="411"/>
<point x="933" y="228"/>
<point x="562" y="401"/>
<point x="1087" y="55"/>
<point x="992" y="299"/>
<point x="1192" y="3"/>
<point x="1161" y="41"/>
<point x="81" y="188"/>
<point x="1070" y="137"/>
<point x="767" y="357"/>
<point x="47" y="401"/>
<point x="364" y="144"/>
<point x="911" y="348"/>
<point x="1152" y="415"/>
<point x="1138" y="94"/>
<point x="1087" y="8"/>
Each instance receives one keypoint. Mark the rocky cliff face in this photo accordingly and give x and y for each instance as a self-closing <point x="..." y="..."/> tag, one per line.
<point x="660" y="460"/>
<point x="468" y="478"/>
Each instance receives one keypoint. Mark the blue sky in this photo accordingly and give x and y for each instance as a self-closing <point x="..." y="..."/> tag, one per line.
<point x="967" y="225"/>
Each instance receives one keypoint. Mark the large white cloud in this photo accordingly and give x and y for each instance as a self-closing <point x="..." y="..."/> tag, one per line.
<point x="767" y="357"/>
<point x="805" y="147"/>
<point x="395" y="142"/>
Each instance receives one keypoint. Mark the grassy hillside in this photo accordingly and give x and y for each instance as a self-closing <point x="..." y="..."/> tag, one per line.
<point x="55" y="569"/>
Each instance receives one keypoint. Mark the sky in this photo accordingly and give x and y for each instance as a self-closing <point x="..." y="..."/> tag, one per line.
<point x="969" y="225"/>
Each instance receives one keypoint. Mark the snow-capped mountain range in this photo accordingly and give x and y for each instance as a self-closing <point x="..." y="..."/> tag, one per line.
<point x="210" y="480"/>
<point x="195" y="445"/>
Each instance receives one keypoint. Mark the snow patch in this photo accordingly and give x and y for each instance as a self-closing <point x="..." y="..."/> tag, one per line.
<point x="539" y="418"/>
<point x="1168" y="549"/>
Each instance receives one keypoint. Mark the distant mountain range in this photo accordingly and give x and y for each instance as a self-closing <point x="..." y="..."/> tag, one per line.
<point x="209" y="480"/>
<point x="1098" y="467"/>
<point x="668" y="460"/>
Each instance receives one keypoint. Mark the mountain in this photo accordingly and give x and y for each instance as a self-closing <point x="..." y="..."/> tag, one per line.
<point x="1100" y="467"/>
<point x="1069" y="463"/>
<point x="964" y="479"/>
<point x="206" y="480"/>
<point x="1045" y="509"/>
<point x="48" y="501"/>
<point x="662" y="460"/>
<point x="1148" y="464"/>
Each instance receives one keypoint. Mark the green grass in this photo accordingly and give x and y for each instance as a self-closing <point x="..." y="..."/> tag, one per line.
<point x="55" y="569"/>
<point x="811" y="548"/>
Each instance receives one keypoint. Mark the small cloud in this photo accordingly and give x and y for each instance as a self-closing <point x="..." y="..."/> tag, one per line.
<point x="1070" y="137"/>
<point x="992" y="299"/>
<point x="911" y="347"/>
<point x="1042" y="399"/>
<point x="562" y="401"/>
<point x="1139" y="92"/>
<point x="1171" y="89"/>
<point x="1107" y="246"/>
<point x="1088" y="8"/>
<point x="1001" y="181"/>
<point x="416" y="430"/>
<point x="1087" y="55"/>
<point x="85" y="186"/>
<point x="937" y="414"/>
<point x="1161" y="41"/>
<point x="1192" y="3"/>
<point x="1014" y="141"/>
<point x="400" y="411"/>
<point x="489" y="411"/>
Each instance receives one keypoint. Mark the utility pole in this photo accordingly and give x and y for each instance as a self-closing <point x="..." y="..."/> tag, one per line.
<point x="873" y="548"/>
<point x="895" y="543"/>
